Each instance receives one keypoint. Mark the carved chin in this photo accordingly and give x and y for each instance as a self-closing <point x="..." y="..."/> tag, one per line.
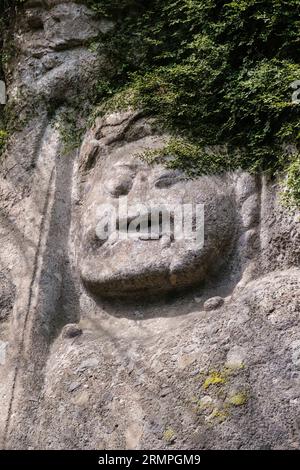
<point x="129" y="267"/>
<point x="112" y="280"/>
<point x="124" y="284"/>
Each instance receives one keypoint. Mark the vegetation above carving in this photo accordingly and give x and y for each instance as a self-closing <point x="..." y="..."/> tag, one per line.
<point x="215" y="73"/>
<point x="7" y="13"/>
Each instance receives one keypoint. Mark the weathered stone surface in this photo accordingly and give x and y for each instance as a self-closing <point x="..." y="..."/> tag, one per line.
<point x="213" y="303"/>
<point x="71" y="331"/>
<point x="116" y="345"/>
<point x="136" y="266"/>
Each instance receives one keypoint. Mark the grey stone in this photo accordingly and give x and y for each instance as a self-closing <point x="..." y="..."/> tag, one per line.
<point x="71" y="331"/>
<point x="74" y="386"/>
<point x="213" y="304"/>
<point x="88" y="364"/>
<point x="3" y="347"/>
<point x="158" y="265"/>
<point x="135" y="300"/>
<point x="236" y="357"/>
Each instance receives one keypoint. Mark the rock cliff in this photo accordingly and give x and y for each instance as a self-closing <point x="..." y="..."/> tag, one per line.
<point x="134" y="344"/>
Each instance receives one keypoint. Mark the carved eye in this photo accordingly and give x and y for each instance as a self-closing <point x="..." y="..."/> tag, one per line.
<point x="168" y="179"/>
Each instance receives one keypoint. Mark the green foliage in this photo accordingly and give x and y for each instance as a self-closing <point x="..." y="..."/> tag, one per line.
<point x="196" y="160"/>
<point x="3" y="139"/>
<point x="7" y="14"/>
<point x="71" y="128"/>
<point x="291" y="192"/>
<point x="7" y="10"/>
<point x="217" y="72"/>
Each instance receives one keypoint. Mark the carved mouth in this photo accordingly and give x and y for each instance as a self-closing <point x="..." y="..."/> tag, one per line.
<point x="159" y="226"/>
<point x="149" y="226"/>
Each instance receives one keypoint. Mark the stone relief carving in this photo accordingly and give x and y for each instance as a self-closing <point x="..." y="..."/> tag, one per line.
<point x="121" y="267"/>
<point x="112" y="345"/>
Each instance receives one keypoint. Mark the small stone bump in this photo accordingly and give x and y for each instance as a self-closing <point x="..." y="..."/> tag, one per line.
<point x="74" y="386"/>
<point x="165" y="241"/>
<point x="71" y="331"/>
<point x="213" y="303"/>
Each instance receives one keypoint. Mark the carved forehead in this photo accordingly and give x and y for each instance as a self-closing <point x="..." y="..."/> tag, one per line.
<point x="117" y="140"/>
<point x="116" y="144"/>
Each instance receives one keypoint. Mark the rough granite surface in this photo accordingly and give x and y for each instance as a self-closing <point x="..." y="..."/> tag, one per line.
<point x="135" y="344"/>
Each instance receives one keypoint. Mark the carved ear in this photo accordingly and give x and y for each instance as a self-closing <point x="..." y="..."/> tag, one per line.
<point x="89" y="156"/>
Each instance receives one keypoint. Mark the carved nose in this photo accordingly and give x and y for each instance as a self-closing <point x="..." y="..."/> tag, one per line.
<point x="135" y="223"/>
<point x="121" y="187"/>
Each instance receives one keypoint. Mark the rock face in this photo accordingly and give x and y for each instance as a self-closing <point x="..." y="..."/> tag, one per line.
<point x="114" y="266"/>
<point x="138" y="343"/>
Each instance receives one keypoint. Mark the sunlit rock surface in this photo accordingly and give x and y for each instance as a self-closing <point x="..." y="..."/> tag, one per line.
<point x="175" y="346"/>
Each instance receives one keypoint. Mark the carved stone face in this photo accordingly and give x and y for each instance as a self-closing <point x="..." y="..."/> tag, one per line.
<point x="137" y="266"/>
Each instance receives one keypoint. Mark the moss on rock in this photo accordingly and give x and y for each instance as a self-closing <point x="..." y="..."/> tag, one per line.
<point x="217" y="73"/>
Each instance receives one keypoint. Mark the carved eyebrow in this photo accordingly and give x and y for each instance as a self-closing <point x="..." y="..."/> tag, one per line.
<point x="129" y="166"/>
<point x="168" y="178"/>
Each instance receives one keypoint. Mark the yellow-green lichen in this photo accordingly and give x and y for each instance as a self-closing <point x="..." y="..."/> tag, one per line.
<point x="219" y="415"/>
<point x="215" y="378"/>
<point x="169" y="435"/>
<point x="239" y="399"/>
